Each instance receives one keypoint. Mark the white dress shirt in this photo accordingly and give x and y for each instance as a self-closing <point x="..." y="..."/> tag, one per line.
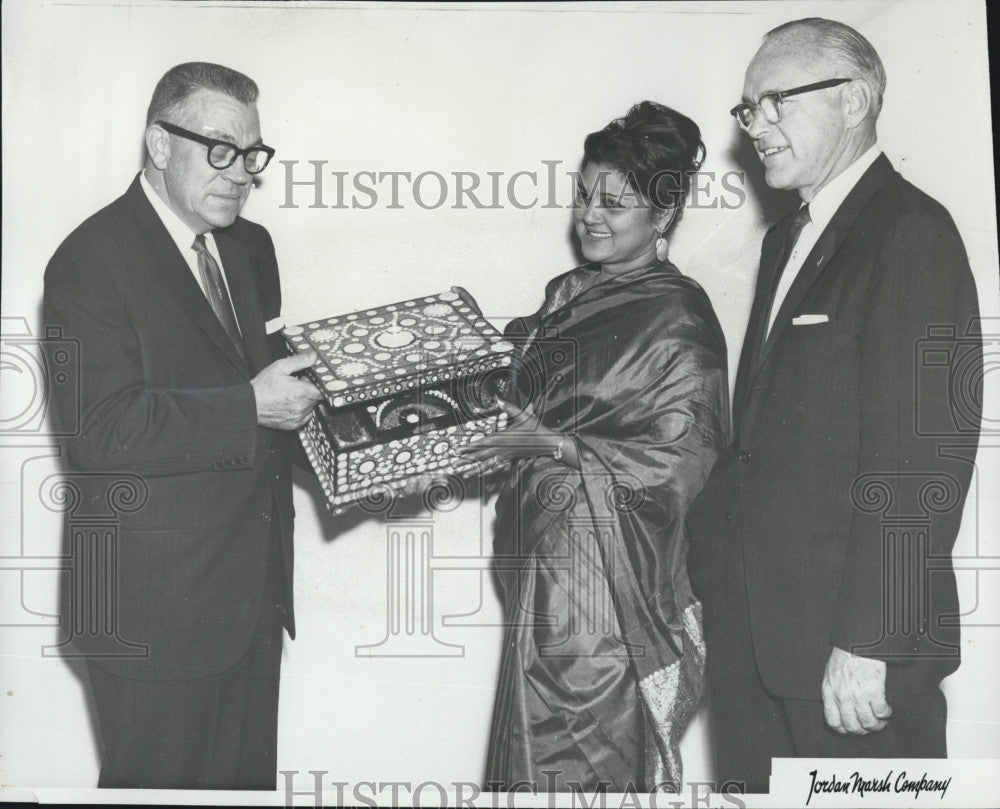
<point x="821" y="210"/>
<point x="183" y="237"/>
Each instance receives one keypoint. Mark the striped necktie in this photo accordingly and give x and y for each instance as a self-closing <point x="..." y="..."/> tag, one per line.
<point x="215" y="290"/>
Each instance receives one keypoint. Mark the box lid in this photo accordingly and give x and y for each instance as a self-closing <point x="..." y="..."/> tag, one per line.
<point x="414" y="343"/>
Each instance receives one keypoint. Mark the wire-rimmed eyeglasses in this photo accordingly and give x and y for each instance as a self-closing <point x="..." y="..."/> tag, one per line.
<point x="769" y="104"/>
<point x="222" y="154"/>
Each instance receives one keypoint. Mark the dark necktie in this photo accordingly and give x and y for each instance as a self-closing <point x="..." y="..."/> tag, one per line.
<point x="215" y="290"/>
<point x="799" y="221"/>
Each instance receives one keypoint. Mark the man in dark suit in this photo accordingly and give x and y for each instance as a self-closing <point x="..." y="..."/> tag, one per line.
<point x="185" y="391"/>
<point x="821" y="544"/>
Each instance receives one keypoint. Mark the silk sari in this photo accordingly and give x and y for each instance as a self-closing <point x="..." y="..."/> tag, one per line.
<point x="603" y="656"/>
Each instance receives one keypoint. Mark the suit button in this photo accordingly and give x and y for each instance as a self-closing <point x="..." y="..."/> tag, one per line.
<point x="265" y="516"/>
<point x="241" y="461"/>
<point x="744" y="456"/>
<point x="729" y="516"/>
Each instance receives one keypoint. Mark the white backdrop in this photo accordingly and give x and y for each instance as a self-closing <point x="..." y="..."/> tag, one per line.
<point x="435" y="89"/>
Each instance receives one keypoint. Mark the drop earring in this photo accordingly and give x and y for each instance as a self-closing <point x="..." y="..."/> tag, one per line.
<point x="661" y="247"/>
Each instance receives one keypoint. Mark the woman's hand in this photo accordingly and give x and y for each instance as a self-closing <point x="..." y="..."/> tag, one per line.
<point x="416" y="485"/>
<point x="524" y="437"/>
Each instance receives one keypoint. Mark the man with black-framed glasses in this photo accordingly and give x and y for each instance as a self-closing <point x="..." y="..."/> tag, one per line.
<point x="827" y="634"/>
<point x="185" y="387"/>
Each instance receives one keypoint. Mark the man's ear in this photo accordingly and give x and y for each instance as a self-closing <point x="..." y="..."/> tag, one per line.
<point x="158" y="146"/>
<point x="858" y="102"/>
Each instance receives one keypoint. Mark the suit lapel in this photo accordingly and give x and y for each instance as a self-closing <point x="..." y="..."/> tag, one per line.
<point x="772" y="250"/>
<point x="246" y="302"/>
<point x="819" y="258"/>
<point x="173" y="271"/>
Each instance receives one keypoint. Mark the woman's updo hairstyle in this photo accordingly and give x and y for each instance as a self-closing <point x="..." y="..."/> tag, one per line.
<point x="656" y="149"/>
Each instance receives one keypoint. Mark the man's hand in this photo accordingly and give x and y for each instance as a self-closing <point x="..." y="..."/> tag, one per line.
<point x="854" y="693"/>
<point x="284" y="402"/>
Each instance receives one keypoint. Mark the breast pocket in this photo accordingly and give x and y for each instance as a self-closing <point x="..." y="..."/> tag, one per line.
<point x="826" y="342"/>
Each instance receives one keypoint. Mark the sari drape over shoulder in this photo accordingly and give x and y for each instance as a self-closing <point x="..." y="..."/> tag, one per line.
<point x="603" y="657"/>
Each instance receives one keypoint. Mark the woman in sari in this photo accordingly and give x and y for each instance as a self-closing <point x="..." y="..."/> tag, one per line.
<point x="619" y="406"/>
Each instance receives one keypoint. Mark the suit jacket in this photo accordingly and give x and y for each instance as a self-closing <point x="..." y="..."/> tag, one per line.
<point x="167" y="406"/>
<point x="831" y="520"/>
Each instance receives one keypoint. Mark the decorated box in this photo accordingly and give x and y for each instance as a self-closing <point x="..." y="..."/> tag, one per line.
<point x="403" y="386"/>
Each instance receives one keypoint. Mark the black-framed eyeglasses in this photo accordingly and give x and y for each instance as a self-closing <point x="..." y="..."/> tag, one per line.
<point x="769" y="104"/>
<point x="222" y="154"/>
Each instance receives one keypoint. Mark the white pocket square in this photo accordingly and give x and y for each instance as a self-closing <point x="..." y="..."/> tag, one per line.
<point x="810" y="320"/>
<point x="274" y="324"/>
